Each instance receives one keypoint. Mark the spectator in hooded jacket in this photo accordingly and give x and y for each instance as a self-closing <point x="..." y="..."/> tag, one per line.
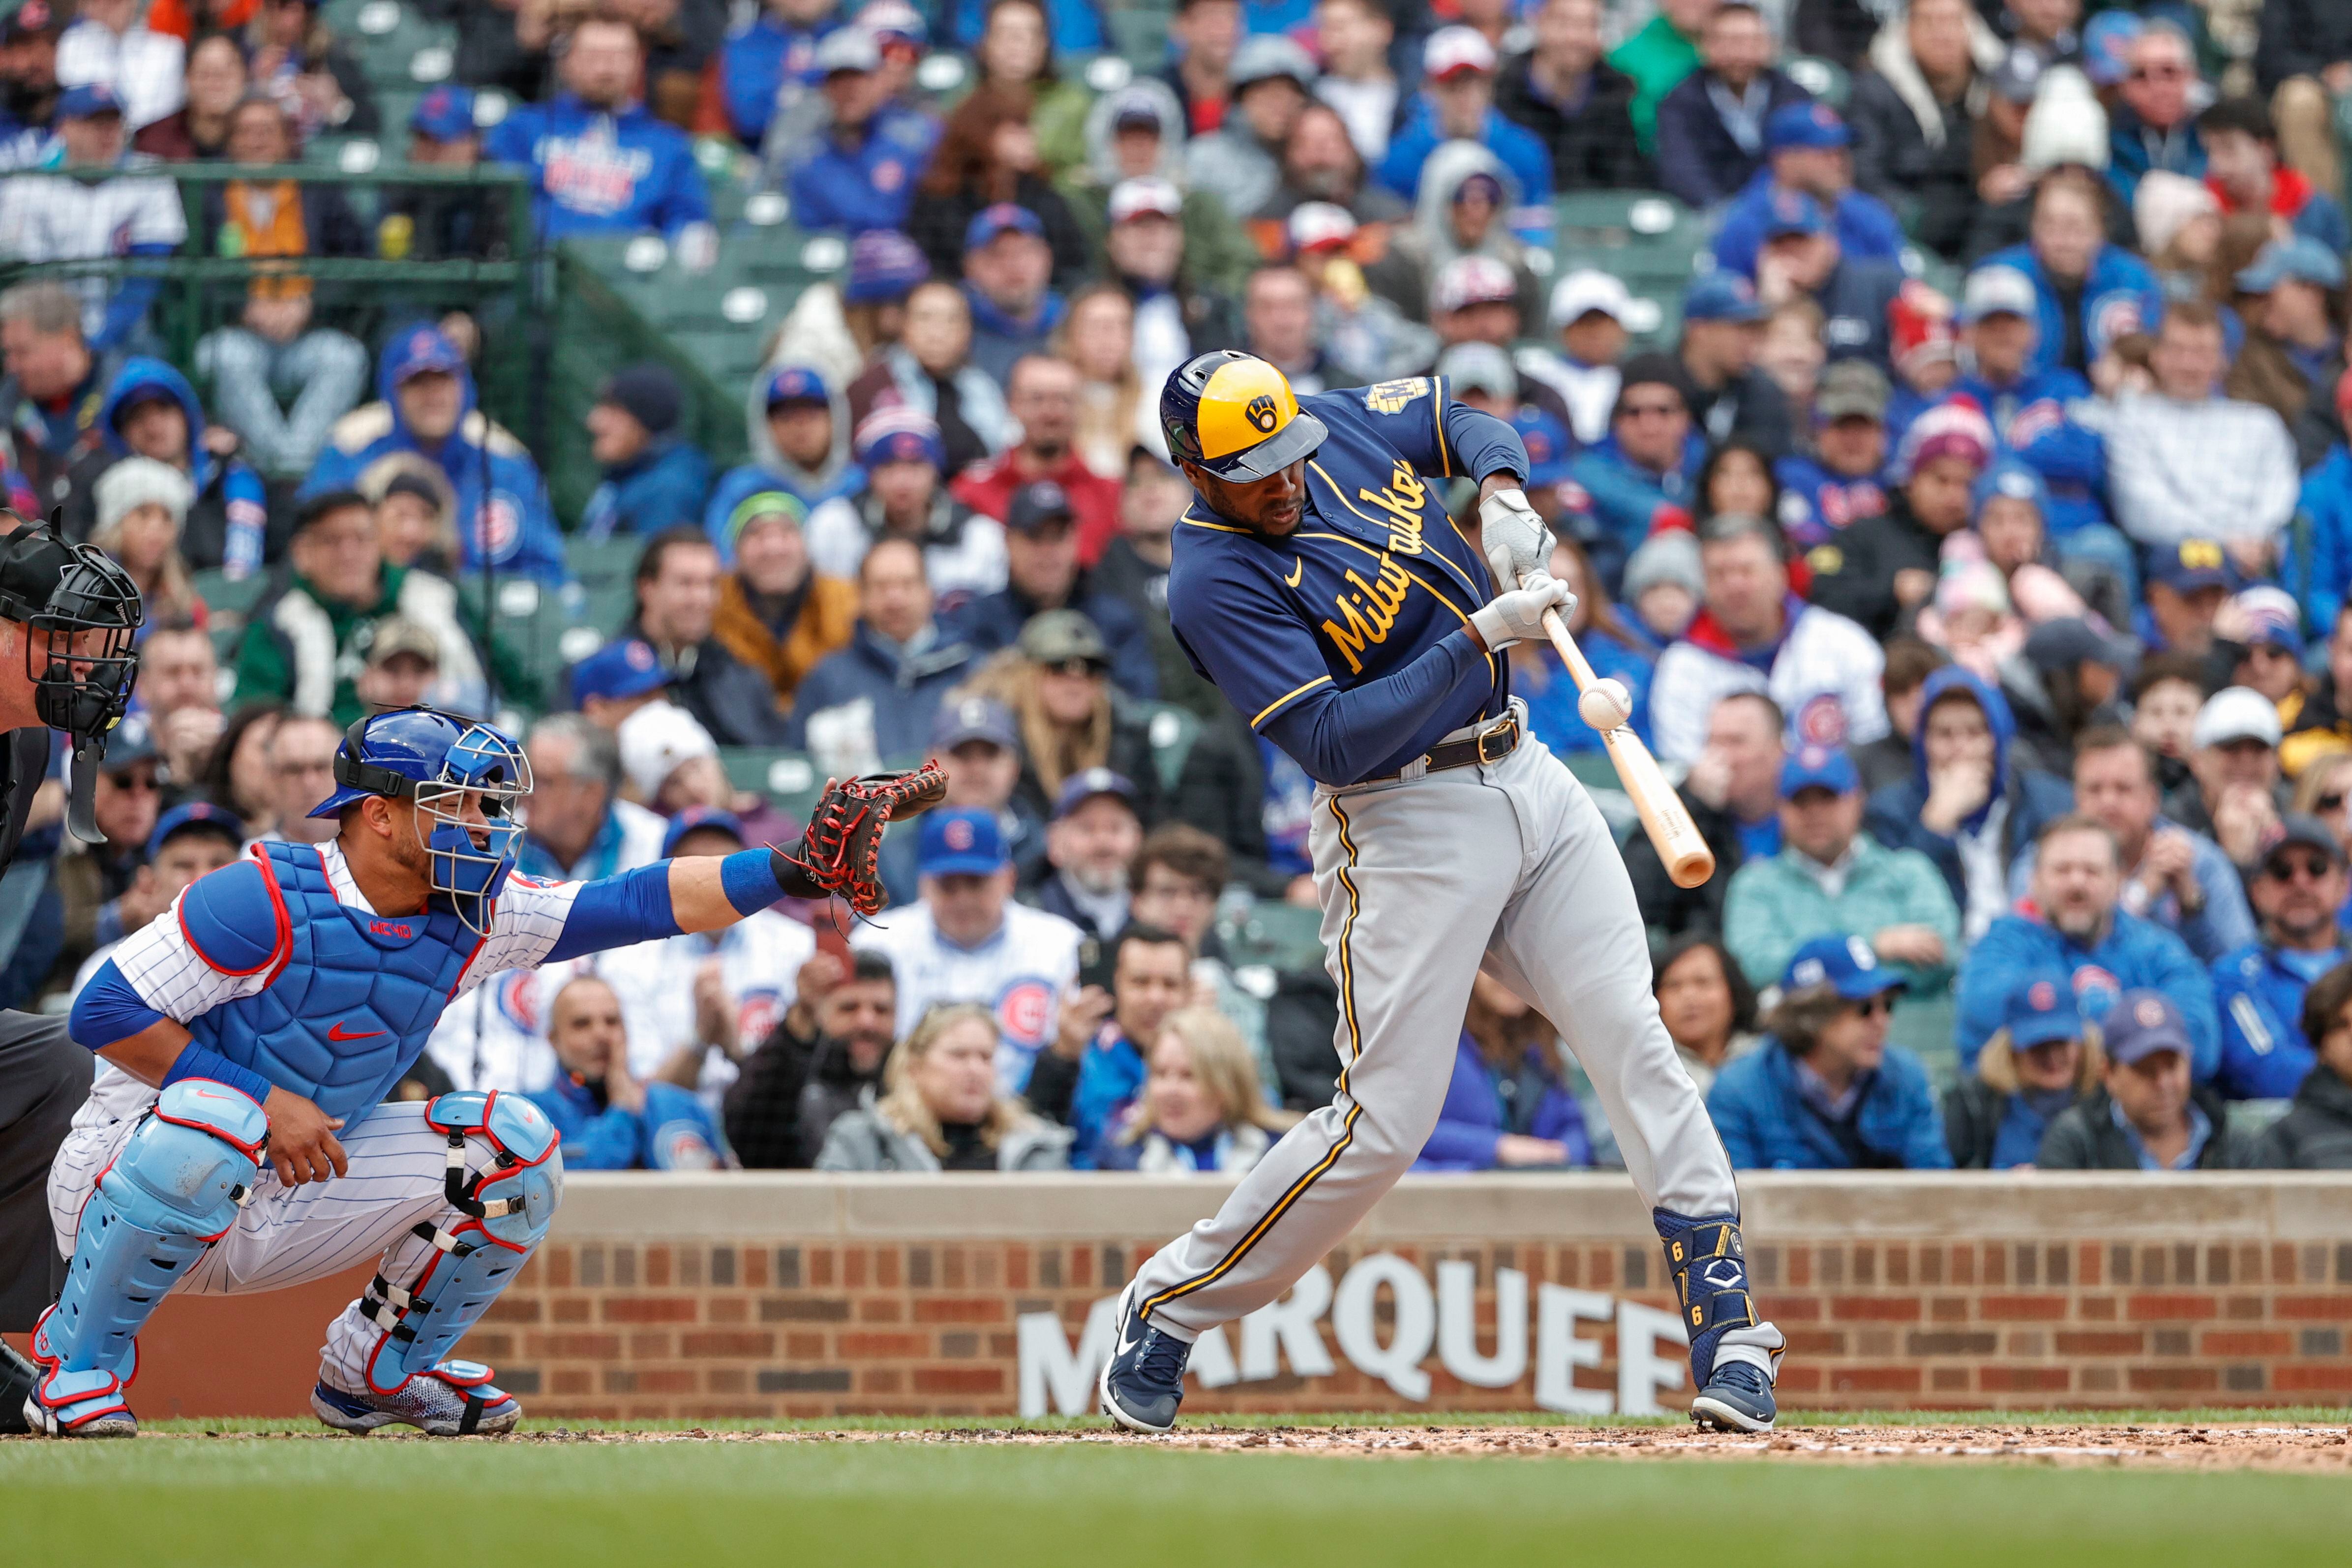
<point x="426" y="405"/>
<point x="2072" y="922"/>
<point x="1825" y="1091"/>
<point x="653" y="480"/>
<point x="1969" y="806"/>
<point x="1239" y="161"/>
<point x="1887" y="564"/>
<point x="1915" y="113"/>
<point x="2043" y="1061"/>
<point x="2298" y="886"/>
<point x="2151" y="1113"/>
<point x="777" y="613"/>
<point x="797" y="425"/>
<point x="1577" y="104"/>
<point x="2316" y="1134"/>
<point x="875" y="699"/>
<point x="2153" y="121"/>
<point x="1457" y="103"/>
<point x="600" y="162"/>
<point x="1711" y="139"/>
<point x="1809" y="152"/>
<point x="2089" y="292"/>
<point x="858" y="172"/>
<point x="151" y="411"/>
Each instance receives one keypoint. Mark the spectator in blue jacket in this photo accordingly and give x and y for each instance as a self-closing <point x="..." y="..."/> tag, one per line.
<point x="875" y="698"/>
<point x="151" y="411"/>
<point x="600" y="161"/>
<point x="1644" y="472"/>
<point x="1711" y="137"/>
<point x="1200" y="1108"/>
<point x="797" y="425"/>
<point x="1840" y="481"/>
<point x="1970" y="804"/>
<point x="1458" y="104"/>
<point x="653" y="479"/>
<point x="425" y="405"/>
<point x="768" y="61"/>
<point x="2088" y="292"/>
<point x="1801" y="259"/>
<point x="859" y="172"/>
<point x="2031" y="405"/>
<point x="1506" y="1105"/>
<point x="609" y="1120"/>
<point x="2044" y="1061"/>
<point x="1825" y="1091"/>
<point x="1093" y="1067"/>
<point x="1807" y="148"/>
<point x="1072" y="26"/>
<point x="2152" y="122"/>
<point x="2297" y="890"/>
<point x="1008" y="271"/>
<point x="1042" y="574"/>
<point x="2072" y="922"/>
<point x="2319" y="574"/>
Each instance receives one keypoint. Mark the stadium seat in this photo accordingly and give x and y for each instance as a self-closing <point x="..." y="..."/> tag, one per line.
<point x="228" y="600"/>
<point x="1282" y="936"/>
<point x="787" y="778"/>
<point x="1173" y="731"/>
<point x="1825" y="79"/>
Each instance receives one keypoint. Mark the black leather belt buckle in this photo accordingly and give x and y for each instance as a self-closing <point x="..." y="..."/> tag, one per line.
<point x="1506" y="739"/>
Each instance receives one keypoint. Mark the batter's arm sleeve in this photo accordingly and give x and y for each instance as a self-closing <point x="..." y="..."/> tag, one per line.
<point x="1419" y="418"/>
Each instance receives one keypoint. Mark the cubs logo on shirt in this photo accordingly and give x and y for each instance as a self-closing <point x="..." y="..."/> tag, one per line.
<point x="1821" y="721"/>
<point x="1025" y="1009"/>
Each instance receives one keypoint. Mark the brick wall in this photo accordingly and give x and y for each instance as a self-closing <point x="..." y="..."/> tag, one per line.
<point x="799" y="1296"/>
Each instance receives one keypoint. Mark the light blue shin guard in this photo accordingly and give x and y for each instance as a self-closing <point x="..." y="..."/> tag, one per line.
<point x="508" y="1209"/>
<point x="172" y="1190"/>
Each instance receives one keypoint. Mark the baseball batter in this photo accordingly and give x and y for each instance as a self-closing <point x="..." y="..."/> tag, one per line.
<point x="235" y="1141"/>
<point x="1318" y="580"/>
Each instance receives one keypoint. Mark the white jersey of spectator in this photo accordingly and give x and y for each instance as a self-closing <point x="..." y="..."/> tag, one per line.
<point x="759" y="960"/>
<point x="496" y="1039"/>
<point x="2219" y="470"/>
<point x="970" y="568"/>
<point x="642" y="832"/>
<point x="1020" y="974"/>
<point x="147" y="70"/>
<point x="1824" y="676"/>
<point x="47" y="217"/>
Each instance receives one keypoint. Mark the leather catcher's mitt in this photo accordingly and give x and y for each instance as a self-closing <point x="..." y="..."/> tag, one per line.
<point x="840" y="852"/>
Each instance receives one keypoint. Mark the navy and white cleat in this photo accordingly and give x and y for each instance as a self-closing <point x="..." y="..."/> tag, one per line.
<point x="1143" y="1381"/>
<point x="1738" y="1398"/>
<point x="454" y="1399"/>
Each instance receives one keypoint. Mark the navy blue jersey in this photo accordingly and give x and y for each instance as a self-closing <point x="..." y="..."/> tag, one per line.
<point x="1346" y="643"/>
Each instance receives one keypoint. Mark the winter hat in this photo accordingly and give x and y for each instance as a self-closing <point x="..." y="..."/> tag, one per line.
<point x="2008" y="480"/>
<point x="764" y="503"/>
<point x="646" y="393"/>
<point x="1669" y="557"/>
<point x="884" y="265"/>
<point x="1954" y="429"/>
<point x="141" y="481"/>
<point x="1920" y="324"/>
<point x="2065" y="125"/>
<point x="1966" y="586"/>
<point x="2165" y="204"/>
<point x="894" y="434"/>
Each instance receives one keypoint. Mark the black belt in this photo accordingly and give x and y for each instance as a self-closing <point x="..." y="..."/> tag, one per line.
<point x="1489" y="745"/>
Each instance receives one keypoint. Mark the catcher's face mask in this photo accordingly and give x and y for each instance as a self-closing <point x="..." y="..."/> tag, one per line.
<point x="81" y="614"/>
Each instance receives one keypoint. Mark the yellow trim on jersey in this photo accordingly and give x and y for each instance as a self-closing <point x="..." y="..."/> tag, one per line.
<point x="1204" y="523"/>
<point x="1347" y="949"/>
<point x="1437" y="418"/>
<point x="1384" y="524"/>
<point x="1494" y="659"/>
<point x="1285" y="698"/>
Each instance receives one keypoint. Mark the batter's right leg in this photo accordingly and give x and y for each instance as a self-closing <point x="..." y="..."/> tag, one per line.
<point x="1411" y="878"/>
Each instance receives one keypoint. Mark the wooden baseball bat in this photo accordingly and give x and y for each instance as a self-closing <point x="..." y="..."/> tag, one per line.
<point x="1664" y="816"/>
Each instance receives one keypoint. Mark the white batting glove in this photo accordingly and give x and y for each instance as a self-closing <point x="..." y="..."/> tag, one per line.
<point x="1517" y="615"/>
<point x="1514" y="539"/>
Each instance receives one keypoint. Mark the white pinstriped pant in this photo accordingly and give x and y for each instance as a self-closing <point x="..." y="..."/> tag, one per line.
<point x="394" y="1176"/>
<point x="1508" y="867"/>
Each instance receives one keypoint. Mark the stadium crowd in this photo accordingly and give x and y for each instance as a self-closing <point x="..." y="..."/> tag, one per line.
<point x="1997" y="635"/>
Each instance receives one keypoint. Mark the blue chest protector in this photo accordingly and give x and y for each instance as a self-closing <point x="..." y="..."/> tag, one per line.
<point x="352" y="996"/>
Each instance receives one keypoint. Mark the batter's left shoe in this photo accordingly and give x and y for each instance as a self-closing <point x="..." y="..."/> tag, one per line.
<point x="454" y="1399"/>
<point x="1737" y="1398"/>
<point x="1143" y="1381"/>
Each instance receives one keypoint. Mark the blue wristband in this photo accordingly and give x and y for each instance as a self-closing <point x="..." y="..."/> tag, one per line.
<point x="195" y="1061"/>
<point x="747" y="878"/>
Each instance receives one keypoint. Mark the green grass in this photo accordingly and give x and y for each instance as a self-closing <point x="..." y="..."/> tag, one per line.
<point x="1109" y="1505"/>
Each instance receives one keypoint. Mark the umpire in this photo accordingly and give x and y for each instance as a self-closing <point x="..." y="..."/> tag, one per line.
<point x="69" y="619"/>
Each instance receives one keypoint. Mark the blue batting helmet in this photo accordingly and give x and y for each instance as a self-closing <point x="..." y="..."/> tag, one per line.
<point x="438" y="759"/>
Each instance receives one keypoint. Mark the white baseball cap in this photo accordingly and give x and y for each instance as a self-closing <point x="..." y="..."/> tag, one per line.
<point x="1472" y="280"/>
<point x="1452" y="49"/>
<point x="2235" y="714"/>
<point x="1582" y="292"/>
<point x="1999" y="292"/>
<point x="1314" y="224"/>
<point x="1144" y="196"/>
<point x="655" y="740"/>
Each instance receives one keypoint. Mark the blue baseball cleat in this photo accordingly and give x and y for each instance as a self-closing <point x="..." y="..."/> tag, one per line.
<point x="1737" y="1398"/>
<point x="454" y="1399"/>
<point x="1143" y="1381"/>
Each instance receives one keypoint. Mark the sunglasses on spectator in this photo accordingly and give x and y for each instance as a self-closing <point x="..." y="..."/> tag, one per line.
<point x="1076" y="668"/>
<point x="2310" y="868"/>
<point x="1873" y="1007"/>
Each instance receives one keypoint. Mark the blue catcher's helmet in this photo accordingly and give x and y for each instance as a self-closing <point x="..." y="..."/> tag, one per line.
<point x="438" y="759"/>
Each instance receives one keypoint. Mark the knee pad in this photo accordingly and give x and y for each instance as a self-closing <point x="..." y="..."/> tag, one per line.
<point x="505" y="1212"/>
<point x="1711" y="1271"/>
<point x="171" y="1191"/>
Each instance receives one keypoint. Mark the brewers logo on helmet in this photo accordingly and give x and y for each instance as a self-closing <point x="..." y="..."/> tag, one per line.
<point x="1236" y="415"/>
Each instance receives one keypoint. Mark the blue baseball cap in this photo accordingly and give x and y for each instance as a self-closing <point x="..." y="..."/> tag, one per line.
<point x="2302" y="257"/>
<point x="130" y="740"/>
<point x="1722" y="295"/>
<point x="1794" y="212"/>
<point x="2141" y="1023"/>
<point x="2042" y="1010"/>
<point x="627" y="667"/>
<point x="883" y="265"/>
<point x="2008" y="480"/>
<point x="1843" y="964"/>
<point x="1818" y="767"/>
<point x="445" y="115"/>
<point x="195" y="815"/>
<point x="899" y="435"/>
<point x="419" y="351"/>
<point x="695" y="817"/>
<point x="1810" y="124"/>
<point x="796" y="383"/>
<point x="1086" y="784"/>
<point x="974" y="718"/>
<point x="964" y="843"/>
<point x="88" y="101"/>
<point x="2192" y="564"/>
<point x="991" y="221"/>
<point x="2107" y="38"/>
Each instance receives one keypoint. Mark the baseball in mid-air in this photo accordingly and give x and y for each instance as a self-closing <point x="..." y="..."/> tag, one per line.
<point x="1605" y="704"/>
